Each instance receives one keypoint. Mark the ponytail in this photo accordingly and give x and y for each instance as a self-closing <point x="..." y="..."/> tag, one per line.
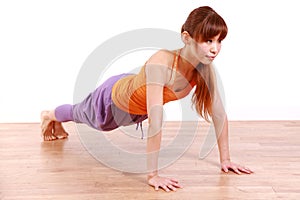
<point x="204" y="94"/>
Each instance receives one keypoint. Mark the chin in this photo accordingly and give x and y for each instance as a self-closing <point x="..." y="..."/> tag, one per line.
<point x="206" y="62"/>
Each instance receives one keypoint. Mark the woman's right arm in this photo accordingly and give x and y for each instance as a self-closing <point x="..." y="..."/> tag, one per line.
<point x="156" y="77"/>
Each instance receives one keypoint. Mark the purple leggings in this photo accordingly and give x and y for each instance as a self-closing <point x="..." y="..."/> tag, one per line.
<point x="98" y="110"/>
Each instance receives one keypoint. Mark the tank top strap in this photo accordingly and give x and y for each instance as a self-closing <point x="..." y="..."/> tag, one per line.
<point x="174" y="66"/>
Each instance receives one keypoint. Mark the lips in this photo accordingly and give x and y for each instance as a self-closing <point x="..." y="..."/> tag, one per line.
<point x="211" y="57"/>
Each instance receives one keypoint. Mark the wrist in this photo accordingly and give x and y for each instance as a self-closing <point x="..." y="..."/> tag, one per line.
<point x="151" y="175"/>
<point x="224" y="156"/>
<point x="225" y="160"/>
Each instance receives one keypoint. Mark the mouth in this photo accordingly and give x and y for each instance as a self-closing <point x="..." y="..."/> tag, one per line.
<point x="211" y="57"/>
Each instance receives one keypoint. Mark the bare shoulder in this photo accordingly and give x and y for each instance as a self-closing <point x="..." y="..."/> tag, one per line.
<point x="157" y="66"/>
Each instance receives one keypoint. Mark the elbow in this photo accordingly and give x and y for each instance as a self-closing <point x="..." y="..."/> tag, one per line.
<point x="154" y="129"/>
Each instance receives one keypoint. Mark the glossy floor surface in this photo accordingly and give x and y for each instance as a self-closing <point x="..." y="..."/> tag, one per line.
<point x="70" y="169"/>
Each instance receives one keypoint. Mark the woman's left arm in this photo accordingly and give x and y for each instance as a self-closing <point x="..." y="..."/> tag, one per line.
<point x="221" y="128"/>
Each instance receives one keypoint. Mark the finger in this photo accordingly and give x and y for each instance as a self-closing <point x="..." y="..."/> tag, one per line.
<point x="225" y="169"/>
<point x="235" y="169"/>
<point x="156" y="187"/>
<point x="249" y="170"/>
<point x="177" y="185"/>
<point x="165" y="188"/>
<point x="245" y="170"/>
<point x="172" y="187"/>
<point x="174" y="180"/>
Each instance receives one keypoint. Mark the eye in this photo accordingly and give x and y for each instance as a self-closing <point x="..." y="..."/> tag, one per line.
<point x="209" y="41"/>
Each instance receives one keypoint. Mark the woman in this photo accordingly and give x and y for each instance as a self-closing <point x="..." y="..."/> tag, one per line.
<point x="168" y="75"/>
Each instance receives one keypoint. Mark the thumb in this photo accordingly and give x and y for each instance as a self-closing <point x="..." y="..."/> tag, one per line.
<point x="225" y="169"/>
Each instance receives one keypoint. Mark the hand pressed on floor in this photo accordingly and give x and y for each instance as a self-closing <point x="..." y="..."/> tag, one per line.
<point x="167" y="184"/>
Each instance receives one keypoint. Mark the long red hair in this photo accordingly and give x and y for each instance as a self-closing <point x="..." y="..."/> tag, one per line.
<point x="203" y="24"/>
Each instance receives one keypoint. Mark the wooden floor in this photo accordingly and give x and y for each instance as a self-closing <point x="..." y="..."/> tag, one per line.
<point x="63" y="169"/>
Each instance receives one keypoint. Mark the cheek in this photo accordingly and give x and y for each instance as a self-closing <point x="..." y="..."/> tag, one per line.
<point x="201" y="51"/>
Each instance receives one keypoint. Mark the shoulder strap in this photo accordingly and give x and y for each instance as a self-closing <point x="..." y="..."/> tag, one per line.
<point x="174" y="66"/>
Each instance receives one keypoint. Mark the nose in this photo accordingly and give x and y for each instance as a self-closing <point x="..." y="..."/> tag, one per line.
<point x="214" y="48"/>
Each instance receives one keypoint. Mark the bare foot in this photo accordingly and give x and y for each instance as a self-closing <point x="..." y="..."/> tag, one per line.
<point x="59" y="132"/>
<point x="47" y="127"/>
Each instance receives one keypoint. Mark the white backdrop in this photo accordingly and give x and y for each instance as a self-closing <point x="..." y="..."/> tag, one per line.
<point x="43" y="45"/>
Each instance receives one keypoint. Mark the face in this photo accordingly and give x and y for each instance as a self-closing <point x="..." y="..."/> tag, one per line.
<point x="204" y="51"/>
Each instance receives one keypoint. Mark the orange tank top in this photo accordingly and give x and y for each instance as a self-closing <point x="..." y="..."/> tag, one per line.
<point x="129" y="93"/>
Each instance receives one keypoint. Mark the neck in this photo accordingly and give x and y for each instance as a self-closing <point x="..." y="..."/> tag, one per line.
<point x="185" y="67"/>
<point x="188" y="58"/>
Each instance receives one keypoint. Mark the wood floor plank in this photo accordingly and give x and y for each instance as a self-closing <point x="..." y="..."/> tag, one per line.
<point x="64" y="169"/>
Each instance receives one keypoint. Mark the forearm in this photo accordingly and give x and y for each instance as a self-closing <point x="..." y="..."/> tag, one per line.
<point x="223" y="141"/>
<point x="153" y="147"/>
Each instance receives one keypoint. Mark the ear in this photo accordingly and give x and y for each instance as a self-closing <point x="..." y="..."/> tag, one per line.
<point x="185" y="37"/>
